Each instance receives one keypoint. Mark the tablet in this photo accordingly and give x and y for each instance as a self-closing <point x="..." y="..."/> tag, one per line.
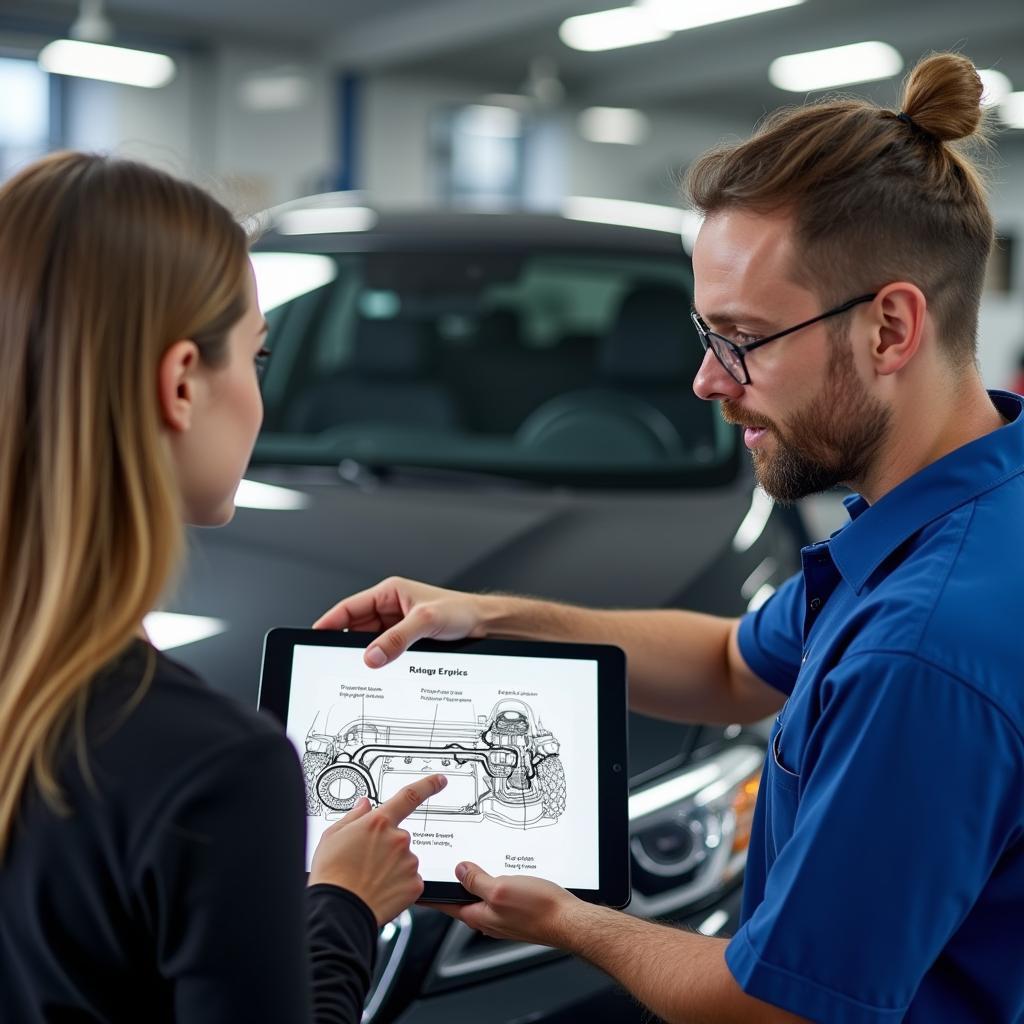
<point x="531" y="737"/>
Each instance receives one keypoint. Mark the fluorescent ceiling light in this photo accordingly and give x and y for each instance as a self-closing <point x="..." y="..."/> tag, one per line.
<point x="107" y="63"/>
<point x="326" y="220"/>
<point x="172" y="629"/>
<point x="283" y="276"/>
<point x="679" y="15"/>
<point x="995" y="87"/>
<point x="840" y="65"/>
<point x="609" y="30"/>
<point x="251" y="494"/>
<point x="619" y="125"/>
<point x="1011" y="110"/>
<point x="625" y="212"/>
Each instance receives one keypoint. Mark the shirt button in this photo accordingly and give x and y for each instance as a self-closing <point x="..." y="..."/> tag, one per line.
<point x="815" y="603"/>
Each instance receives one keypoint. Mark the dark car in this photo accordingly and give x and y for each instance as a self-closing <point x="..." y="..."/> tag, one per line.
<point x="500" y="402"/>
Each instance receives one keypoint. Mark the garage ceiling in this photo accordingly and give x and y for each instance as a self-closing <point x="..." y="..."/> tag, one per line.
<point x="718" y="69"/>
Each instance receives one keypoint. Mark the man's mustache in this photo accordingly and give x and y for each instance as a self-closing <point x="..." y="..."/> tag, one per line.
<point x="735" y="415"/>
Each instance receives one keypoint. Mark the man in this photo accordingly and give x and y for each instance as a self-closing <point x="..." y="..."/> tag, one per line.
<point x="837" y="283"/>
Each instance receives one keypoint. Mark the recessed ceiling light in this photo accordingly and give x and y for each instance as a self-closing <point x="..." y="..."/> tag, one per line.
<point x="610" y="30"/>
<point x="838" y="65"/>
<point x="680" y="15"/>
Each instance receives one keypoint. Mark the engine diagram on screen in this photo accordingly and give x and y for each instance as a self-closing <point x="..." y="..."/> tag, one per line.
<point x="504" y="767"/>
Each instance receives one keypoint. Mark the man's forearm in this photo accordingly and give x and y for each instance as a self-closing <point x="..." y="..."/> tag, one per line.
<point x="681" y="976"/>
<point x="679" y="664"/>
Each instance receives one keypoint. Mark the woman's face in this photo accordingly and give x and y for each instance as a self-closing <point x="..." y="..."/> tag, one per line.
<point x="212" y="436"/>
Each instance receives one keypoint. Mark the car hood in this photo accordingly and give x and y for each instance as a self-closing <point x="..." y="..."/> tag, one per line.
<point x="285" y="568"/>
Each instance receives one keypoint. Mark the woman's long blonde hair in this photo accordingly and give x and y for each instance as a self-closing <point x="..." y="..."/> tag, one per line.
<point x="103" y="265"/>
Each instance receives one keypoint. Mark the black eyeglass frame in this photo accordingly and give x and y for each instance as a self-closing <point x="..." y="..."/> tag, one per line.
<point x="739" y="352"/>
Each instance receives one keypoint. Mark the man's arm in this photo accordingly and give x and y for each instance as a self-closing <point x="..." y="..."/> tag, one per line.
<point x="683" y="665"/>
<point x="681" y="976"/>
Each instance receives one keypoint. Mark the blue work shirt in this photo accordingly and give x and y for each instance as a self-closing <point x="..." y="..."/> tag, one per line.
<point x="886" y="873"/>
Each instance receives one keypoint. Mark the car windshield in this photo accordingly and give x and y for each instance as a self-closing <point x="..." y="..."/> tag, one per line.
<point x="540" y="366"/>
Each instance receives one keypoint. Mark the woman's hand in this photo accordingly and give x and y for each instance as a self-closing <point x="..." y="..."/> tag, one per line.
<point x="368" y="854"/>
<point x="405" y="611"/>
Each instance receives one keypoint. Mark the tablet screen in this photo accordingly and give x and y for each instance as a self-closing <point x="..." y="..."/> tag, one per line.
<point x="516" y="737"/>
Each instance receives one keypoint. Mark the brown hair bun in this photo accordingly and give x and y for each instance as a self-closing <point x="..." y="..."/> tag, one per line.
<point x="942" y="96"/>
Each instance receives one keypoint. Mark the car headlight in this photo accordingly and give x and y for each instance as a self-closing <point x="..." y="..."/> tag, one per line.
<point x="690" y="831"/>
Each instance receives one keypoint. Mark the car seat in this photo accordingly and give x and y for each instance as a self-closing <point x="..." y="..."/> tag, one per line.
<point x="652" y="353"/>
<point x="642" y="405"/>
<point x="386" y="382"/>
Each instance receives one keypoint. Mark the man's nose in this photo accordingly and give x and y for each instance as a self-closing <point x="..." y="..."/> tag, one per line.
<point x="713" y="382"/>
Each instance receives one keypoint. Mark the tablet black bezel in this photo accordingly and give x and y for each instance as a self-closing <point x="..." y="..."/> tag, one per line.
<point x="612" y="737"/>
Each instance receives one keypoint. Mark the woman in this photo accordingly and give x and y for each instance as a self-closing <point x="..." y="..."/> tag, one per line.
<point x="151" y="831"/>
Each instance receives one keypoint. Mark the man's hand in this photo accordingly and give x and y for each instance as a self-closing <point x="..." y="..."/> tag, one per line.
<point x="682" y="977"/>
<point x="514" y="907"/>
<point x="406" y="611"/>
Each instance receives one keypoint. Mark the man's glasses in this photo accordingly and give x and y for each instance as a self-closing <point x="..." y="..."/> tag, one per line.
<point x="733" y="356"/>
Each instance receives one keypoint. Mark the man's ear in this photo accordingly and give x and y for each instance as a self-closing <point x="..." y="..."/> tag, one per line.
<point x="176" y="384"/>
<point x="900" y="310"/>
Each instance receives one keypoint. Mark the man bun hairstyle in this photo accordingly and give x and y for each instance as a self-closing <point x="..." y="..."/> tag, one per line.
<point x="876" y="195"/>
<point x="942" y="96"/>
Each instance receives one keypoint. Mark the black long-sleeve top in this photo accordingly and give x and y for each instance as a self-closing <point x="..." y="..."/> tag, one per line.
<point x="174" y="890"/>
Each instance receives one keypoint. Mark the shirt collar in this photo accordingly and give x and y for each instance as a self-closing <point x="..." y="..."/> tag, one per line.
<point x="875" y="531"/>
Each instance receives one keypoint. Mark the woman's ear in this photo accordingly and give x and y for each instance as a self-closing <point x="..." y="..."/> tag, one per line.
<point x="176" y="383"/>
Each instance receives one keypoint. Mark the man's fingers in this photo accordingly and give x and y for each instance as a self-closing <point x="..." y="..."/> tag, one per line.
<point x="389" y="645"/>
<point x="474" y="879"/>
<point x="341" y="615"/>
<point x="364" y="605"/>
<point x="408" y="799"/>
<point x="420" y="622"/>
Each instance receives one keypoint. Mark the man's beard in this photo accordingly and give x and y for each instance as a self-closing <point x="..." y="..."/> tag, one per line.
<point x="832" y="440"/>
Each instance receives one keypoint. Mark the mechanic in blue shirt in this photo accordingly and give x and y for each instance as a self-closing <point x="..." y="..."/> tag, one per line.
<point x="838" y="278"/>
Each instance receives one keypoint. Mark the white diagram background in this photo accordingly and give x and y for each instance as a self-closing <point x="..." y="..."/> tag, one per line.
<point x="565" y="852"/>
